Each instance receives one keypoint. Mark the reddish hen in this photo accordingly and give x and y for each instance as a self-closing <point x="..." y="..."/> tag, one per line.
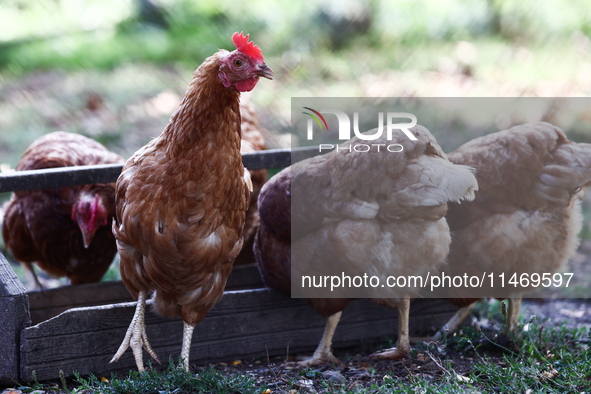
<point x="181" y="200"/>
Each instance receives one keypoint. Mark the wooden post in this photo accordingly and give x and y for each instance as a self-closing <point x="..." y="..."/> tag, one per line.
<point x="14" y="317"/>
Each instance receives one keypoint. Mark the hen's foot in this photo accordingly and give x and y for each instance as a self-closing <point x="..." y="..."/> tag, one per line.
<point x="403" y="349"/>
<point x="136" y="337"/>
<point x="449" y="328"/>
<point x="390" y="354"/>
<point x="316" y="361"/>
<point x="323" y="354"/>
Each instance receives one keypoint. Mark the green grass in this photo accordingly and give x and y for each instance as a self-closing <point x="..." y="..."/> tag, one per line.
<point x="539" y="358"/>
<point x="549" y="360"/>
<point x="173" y="380"/>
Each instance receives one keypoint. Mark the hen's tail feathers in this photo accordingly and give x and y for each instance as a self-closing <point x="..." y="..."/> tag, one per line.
<point x="446" y="182"/>
<point x="459" y="183"/>
<point x="568" y="174"/>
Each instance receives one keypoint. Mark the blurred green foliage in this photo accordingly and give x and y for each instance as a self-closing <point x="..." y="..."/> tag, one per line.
<point x="74" y="34"/>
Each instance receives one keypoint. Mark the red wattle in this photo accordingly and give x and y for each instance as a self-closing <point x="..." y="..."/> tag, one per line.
<point x="247" y="85"/>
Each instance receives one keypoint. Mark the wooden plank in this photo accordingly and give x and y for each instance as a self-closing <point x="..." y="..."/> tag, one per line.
<point x="45" y="304"/>
<point x="243" y="324"/>
<point x="106" y="173"/>
<point x="14" y="317"/>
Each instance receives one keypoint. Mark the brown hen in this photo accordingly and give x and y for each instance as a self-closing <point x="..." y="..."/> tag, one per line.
<point x="66" y="231"/>
<point x="182" y="199"/>
<point x="370" y="212"/>
<point x="526" y="217"/>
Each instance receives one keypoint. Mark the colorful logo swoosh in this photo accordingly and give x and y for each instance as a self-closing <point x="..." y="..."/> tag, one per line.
<point x="315" y="118"/>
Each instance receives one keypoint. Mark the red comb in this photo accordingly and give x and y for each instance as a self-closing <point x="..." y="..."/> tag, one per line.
<point x="248" y="48"/>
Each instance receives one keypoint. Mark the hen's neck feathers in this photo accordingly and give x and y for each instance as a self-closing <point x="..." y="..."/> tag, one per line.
<point x="207" y="109"/>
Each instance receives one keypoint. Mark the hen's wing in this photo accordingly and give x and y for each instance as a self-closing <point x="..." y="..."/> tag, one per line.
<point x="364" y="212"/>
<point x="362" y="185"/>
<point x="530" y="167"/>
<point x="272" y="245"/>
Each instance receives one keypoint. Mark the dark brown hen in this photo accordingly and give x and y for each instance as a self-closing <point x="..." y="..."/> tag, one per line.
<point x="66" y="231"/>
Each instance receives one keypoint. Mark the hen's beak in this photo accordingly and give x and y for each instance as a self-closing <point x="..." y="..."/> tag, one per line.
<point x="87" y="237"/>
<point x="265" y="71"/>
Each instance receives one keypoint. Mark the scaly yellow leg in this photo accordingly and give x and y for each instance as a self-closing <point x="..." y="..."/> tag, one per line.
<point x="402" y="349"/>
<point x="136" y="336"/>
<point x="186" y="347"/>
<point x="323" y="353"/>
<point x="513" y="313"/>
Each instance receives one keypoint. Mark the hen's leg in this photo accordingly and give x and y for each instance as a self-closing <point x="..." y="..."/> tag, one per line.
<point x="186" y="347"/>
<point x="513" y="313"/>
<point x="323" y="353"/>
<point x="450" y="327"/>
<point x="402" y="349"/>
<point x="136" y="336"/>
<point x="32" y="280"/>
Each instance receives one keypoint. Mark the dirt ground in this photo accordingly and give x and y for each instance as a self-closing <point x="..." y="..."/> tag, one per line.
<point x="359" y="371"/>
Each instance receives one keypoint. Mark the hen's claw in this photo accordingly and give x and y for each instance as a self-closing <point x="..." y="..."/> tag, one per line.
<point x="136" y="336"/>
<point x="148" y="347"/>
<point x="316" y="361"/>
<point x="390" y="354"/>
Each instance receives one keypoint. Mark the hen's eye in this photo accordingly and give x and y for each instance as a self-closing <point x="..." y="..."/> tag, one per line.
<point x="238" y="63"/>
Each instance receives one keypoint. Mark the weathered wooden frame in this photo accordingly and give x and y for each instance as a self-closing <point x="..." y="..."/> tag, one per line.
<point x="80" y="327"/>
